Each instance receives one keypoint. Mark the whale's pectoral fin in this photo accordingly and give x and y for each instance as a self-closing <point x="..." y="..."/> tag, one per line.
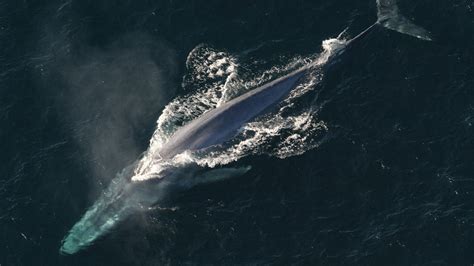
<point x="220" y="174"/>
<point x="216" y="175"/>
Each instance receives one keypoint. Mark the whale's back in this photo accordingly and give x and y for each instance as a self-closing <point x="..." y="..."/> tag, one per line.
<point x="220" y="124"/>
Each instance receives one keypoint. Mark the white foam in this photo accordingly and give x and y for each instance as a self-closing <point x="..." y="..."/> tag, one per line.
<point x="281" y="134"/>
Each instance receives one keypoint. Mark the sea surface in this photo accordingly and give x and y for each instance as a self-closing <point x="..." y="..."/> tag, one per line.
<point x="370" y="162"/>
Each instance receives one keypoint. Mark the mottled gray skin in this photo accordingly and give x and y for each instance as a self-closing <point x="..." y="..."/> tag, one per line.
<point x="222" y="123"/>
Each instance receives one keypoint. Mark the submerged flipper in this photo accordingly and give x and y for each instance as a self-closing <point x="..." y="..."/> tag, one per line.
<point x="389" y="16"/>
<point x="216" y="175"/>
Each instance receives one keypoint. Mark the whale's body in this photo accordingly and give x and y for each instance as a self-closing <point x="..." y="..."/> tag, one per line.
<point x="124" y="197"/>
<point x="220" y="124"/>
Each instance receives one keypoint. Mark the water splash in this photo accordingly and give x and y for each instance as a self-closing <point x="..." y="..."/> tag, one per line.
<point x="286" y="132"/>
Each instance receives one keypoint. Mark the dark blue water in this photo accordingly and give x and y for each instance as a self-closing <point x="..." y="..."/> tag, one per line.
<point x="83" y="82"/>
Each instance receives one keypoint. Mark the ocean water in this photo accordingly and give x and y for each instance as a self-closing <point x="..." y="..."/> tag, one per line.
<point x="367" y="163"/>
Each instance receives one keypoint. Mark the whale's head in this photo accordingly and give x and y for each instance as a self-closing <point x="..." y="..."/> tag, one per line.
<point x="122" y="198"/>
<point x="114" y="205"/>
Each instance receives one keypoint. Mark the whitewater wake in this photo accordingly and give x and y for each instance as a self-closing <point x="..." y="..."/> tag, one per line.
<point x="288" y="131"/>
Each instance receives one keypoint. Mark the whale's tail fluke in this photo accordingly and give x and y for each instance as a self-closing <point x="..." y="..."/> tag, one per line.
<point x="390" y="17"/>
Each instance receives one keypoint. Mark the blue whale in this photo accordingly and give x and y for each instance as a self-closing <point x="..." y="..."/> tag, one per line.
<point x="123" y="197"/>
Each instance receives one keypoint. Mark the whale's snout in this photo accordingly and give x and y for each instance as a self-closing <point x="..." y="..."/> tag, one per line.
<point x="115" y="204"/>
<point x="70" y="245"/>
